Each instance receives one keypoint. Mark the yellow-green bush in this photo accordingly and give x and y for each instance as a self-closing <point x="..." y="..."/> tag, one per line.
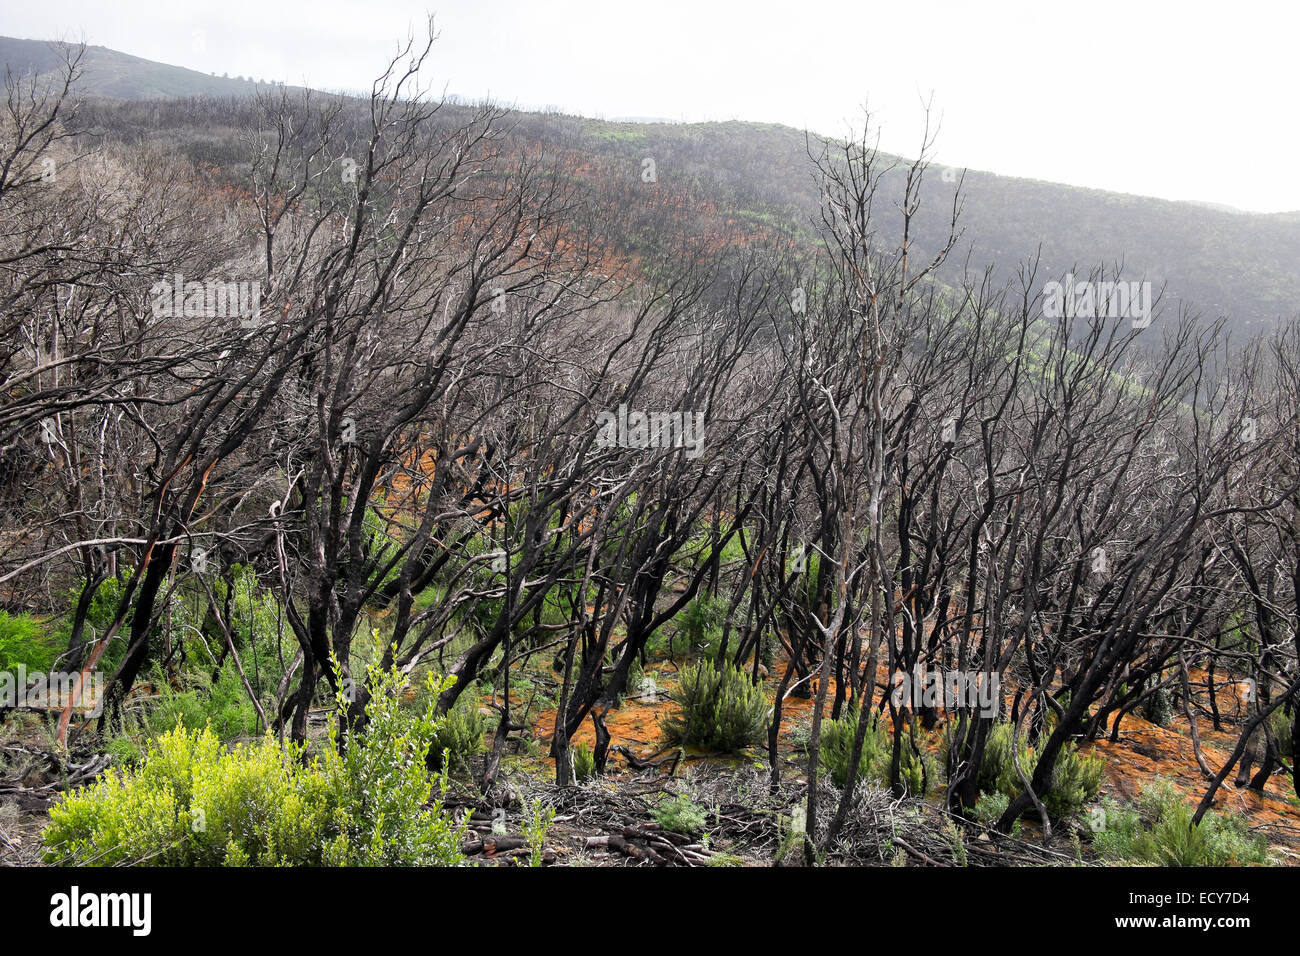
<point x="584" y="762"/>
<point x="191" y="802"/>
<point x="681" y="814"/>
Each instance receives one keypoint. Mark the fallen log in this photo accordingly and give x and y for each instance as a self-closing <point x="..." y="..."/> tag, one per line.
<point x="492" y="845"/>
<point x="648" y="763"/>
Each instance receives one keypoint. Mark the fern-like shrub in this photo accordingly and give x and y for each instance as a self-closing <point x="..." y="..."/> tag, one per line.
<point x="682" y="815"/>
<point x="584" y="762"/>
<point x="700" y="622"/>
<point x="719" y="708"/>
<point x="997" y="772"/>
<point x="914" y="768"/>
<point x="1074" y="782"/>
<point x="459" y="735"/>
<point x="1159" y="832"/>
<point x="23" y="641"/>
<point x="222" y="704"/>
<point x="837" y="746"/>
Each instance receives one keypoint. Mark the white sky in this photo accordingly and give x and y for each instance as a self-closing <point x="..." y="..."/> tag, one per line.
<point x="1187" y="100"/>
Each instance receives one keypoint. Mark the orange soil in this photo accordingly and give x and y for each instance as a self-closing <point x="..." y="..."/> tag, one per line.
<point x="1144" y="752"/>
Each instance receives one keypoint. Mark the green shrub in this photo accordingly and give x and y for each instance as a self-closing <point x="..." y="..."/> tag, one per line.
<point x="99" y="618"/>
<point x="224" y="706"/>
<point x="191" y="802"/>
<point x="700" y="622"/>
<point x="124" y="751"/>
<point x="1075" y="780"/>
<point x="1230" y="842"/>
<point x="1280" y="723"/>
<point x="1160" y="833"/>
<point x="1173" y="841"/>
<point x="724" y="859"/>
<point x="681" y="815"/>
<point x="720" y="708"/>
<point x="914" y="769"/>
<point x="877" y="753"/>
<point x="1158" y="708"/>
<point x="952" y="833"/>
<point x="997" y="769"/>
<point x="256" y="620"/>
<point x="656" y="648"/>
<point x="23" y="642"/>
<point x="989" y="807"/>
<point x="460" y="732"/>
<point x="382" y="786"/>
<point x="584" y="762"/>
<point x="837" y="746"/>
<point x="536" y="825"/>
<point x="1115" y="830"/>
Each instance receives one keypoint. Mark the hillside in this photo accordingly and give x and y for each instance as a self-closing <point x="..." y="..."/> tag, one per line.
<point x="1219" y="262"/>
<point x="117" y="75"/>
<point x="1214" y="260"/>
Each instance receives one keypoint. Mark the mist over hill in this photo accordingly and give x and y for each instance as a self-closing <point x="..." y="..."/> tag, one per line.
<point x="110" y="73"/>
<point x="1211" y="259"/>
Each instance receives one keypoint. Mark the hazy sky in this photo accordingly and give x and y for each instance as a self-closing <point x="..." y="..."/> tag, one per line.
<point x="1181" y="100"/>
